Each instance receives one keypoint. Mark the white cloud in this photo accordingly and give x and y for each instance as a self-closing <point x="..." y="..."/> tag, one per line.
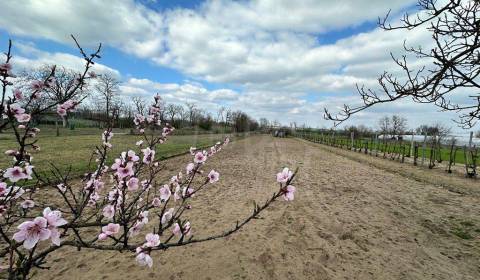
<point x="271" y="49"/>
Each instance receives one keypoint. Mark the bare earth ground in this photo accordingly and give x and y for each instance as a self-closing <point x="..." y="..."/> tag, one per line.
<point x="351" y="219"/>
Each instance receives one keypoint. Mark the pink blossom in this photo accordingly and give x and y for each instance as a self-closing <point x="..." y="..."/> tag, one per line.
<point x="18" y="94"/>
<point x="14" y="174"/>
<point x="61" y="187"/>
<point x="188" y="191"/>
<point x="284" y="176"/>
<point x="213" y="176"/>
<point x="148" y="155"/>
<point x="109" y="230"/>
<point x="3" y="188"/>
<point x="29" y="171"/>
<point x="192" y="150"/>
<point x="190" y="167"/>
<point x="108" y="211"/>
<point x="54" y="219"/>
<point x="156" y="202"/>
<point x="289" y="192"/>
<point x="27" y="204"/>
<point x="165" y="192"/>
<point x="22" y="118"/>
<point x="31" y="232"/>
<point x="153" y="240"/>
<point x="106" y="136"/>
<point x="144" y="259"/>
<point x="116" y="164"/>
<point x="16" y="109"/>
<point x="132" y="184"/>
<point x="123" y="172"/>
<point x="178" y="231"/>
<point x="200" y="157"/>
<point x="130" y="156"/>
<point x="37" y="85"/>
<point x="61" y="111"/>
<point x="167" y="216"/>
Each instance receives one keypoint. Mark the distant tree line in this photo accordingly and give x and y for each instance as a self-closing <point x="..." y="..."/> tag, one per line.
<point x="103" y="102"/>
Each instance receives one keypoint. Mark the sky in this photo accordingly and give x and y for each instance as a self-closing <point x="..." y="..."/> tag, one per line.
<point x="279" y="59"/>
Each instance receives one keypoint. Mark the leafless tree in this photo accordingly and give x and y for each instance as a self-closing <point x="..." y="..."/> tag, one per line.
<point x="399" y="125"/>
<point x="454" y="68"/>
<point x="384" y="126"/>
<point x="140" y="104"/>
<point x="107" y="94"/>
<point x="172" y="111"/>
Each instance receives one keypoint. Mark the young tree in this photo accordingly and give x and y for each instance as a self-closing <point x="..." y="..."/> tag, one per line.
<point x="112" y="205"/>
<point x="452" y="66"/>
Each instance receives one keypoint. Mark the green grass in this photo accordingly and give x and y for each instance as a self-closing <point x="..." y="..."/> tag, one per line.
<point x="74" y="147"/>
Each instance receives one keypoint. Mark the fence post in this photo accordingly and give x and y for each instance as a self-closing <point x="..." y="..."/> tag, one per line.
<point x="424" y="147"/>
<point x="411" y="144"/>
<point x="351" y="138"/>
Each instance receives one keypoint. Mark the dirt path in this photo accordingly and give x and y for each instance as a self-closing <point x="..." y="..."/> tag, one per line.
<point x="349" y="221"/>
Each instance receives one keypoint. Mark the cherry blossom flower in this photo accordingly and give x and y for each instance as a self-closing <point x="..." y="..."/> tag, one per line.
<point x="16" y="109"/>
<point x="167" y="216"/>
<point x="106" y="136"/>
<point x="178" y="231"/>
<point x="61" y="187"/>
<point x="22" y="118"/>
<point x="200" y="157"/>
<point x="190" y="167"/>
<point x="289" y="192"/>
<point x="61" y="111"/>
<point x="144" y="259"/>
<point x="192" y="150"/>
<point x="109" y="230"/>
<point x="3" y="188"/>
<point x="27" y="204"/>
<point x="132" y="184"/>
<point x="108" y="211"/>
<point x="31" y="232"/>
<point x="284" y="176"/>
<point x="165" y="192"/>
<point x="213" y="176"/>
<point x="123" y="172"/>
<point x="37" y="85"/>
<point x="156" y="202"/>
<point x="54" y="219"/>
<point x="153" y="240"/>
<point x="14" y="174"/>
<point x="148" y="155"/>
<point x="18" y="94"/>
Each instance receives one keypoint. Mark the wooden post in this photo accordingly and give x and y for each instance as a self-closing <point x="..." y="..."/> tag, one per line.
<point x="411" y="144"/>
<point x="424" y="147"/>
<point x="351" y="138"/>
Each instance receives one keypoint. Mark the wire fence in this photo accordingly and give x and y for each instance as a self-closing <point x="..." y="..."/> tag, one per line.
<point x="431" y="152"/>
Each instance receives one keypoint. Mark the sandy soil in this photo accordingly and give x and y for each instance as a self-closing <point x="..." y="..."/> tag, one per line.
<point x="352" y="219"/>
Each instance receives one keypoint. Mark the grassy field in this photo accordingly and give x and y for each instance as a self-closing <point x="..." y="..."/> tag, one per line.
<point x="73" y="148"/>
